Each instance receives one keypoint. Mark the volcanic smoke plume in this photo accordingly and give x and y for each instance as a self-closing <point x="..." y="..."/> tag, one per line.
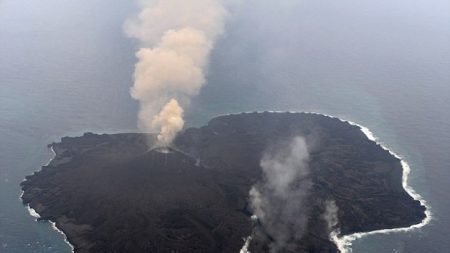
<point x="279" y="200"/>
<point x="176" y="39"/>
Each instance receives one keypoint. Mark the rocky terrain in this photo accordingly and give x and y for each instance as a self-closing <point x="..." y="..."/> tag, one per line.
<point x="112" y="193"/>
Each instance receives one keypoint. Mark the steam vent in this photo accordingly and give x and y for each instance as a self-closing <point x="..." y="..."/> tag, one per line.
<point x="109" y="193"/>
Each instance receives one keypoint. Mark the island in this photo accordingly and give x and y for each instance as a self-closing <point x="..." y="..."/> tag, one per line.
<point x="115" y="193"/>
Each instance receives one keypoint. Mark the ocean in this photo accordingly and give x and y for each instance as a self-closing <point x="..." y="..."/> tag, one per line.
<point x="66" y="68"/>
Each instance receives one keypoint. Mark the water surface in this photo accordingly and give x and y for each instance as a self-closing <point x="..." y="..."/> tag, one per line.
<point x="65" y="68"/>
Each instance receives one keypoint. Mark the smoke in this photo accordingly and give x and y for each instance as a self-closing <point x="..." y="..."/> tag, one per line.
<point x="170" y="121"/>
<point x="246" y="245"/>
<point x="330" y="215"/>
<point x="176" y="40"/>
<point x="279" y="201"/>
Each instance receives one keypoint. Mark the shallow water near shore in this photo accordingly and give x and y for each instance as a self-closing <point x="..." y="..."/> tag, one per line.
<point x="65" y="68"/>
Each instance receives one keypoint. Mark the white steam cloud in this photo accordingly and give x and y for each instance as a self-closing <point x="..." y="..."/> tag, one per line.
<point x="176" y="40"/>
<point x="331" y="216"/>
<point x="279" y="201"/>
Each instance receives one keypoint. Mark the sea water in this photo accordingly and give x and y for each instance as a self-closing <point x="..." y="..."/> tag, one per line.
<point x="66" y="68"/>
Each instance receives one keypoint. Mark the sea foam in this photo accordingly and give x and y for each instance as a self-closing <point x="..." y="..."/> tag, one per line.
<point x="36" y="215"/>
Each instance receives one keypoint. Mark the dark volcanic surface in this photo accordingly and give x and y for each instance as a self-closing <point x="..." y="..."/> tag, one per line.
<point x="109" y="193"/>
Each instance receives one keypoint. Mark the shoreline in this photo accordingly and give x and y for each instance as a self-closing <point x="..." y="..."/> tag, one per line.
<point x="37" y="216"/>
<point x="344" y="242"/>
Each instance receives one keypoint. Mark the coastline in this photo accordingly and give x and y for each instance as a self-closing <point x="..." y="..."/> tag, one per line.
<point x="344" y="242"/>
<point x="37" y="216"/>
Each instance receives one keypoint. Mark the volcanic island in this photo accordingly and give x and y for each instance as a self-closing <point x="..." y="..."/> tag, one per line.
<point x="112" y="193"/>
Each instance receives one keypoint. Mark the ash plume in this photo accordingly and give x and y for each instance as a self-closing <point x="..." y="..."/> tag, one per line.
<point x="176" y="39"/>
<point x="170" y="121"/>
<point x="279" y="201"/>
